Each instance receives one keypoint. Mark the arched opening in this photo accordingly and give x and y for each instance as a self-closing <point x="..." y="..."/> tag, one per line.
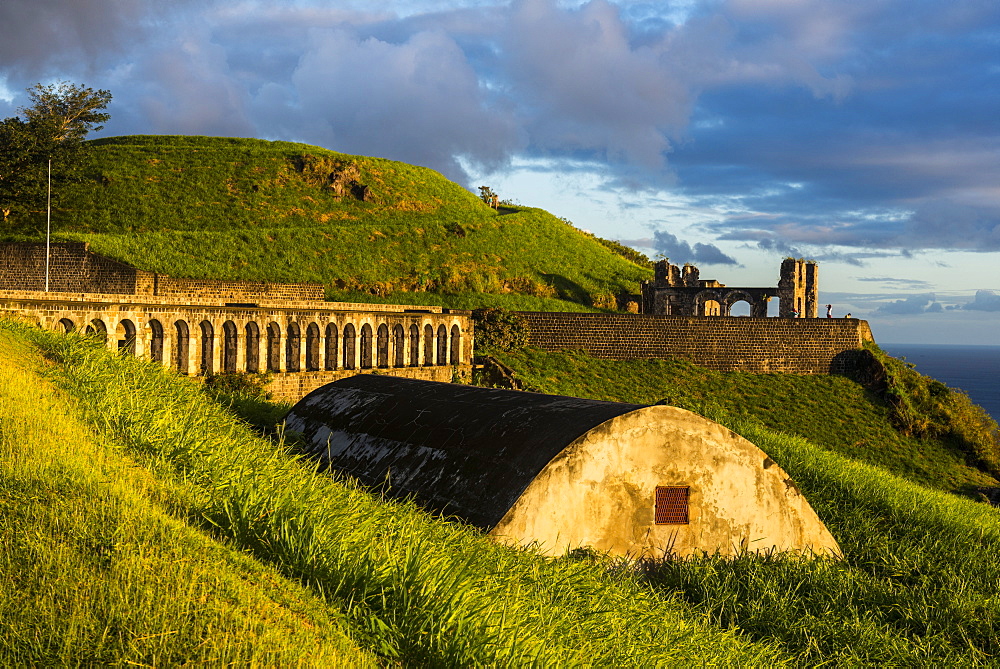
<point x="428" y="345"/>
<point x="182" y="341"/>
<point x="229" y="344"/>
<point x="366" y="346"/>
<point x="125" y="335"/>
<point x="414" y="345"/>
<point x="155" y="340"/>
<point x="252" y="332"/>
<point x="67" y="325"/>
<point x="97" y="328"/>
<point x="398" y="346"/>
<point x="711" y="308"/>
<point x="773" y="306"/>
<point x="330" y="355"/>
<point x="382" y="347"/>
<point x="273" y="347"/>
<point x="442" y="353"/>
<point x="456" y="341"/>
<point x="293" y="347"/>
<point x="207" y="348"/>
<point x="350" y="337"/>
<point x="312" y="348"/>
<point x="707" y="303"/>
<point x="739" y="308"/>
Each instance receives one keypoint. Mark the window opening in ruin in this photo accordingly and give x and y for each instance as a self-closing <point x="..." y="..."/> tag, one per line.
<point x="155" y="341"/>
<point x="125" y="334"/>
<point x="67" y="325"/>
<point x="98" y="329"/>
<point x="414" y="345"/>
<point x="366" y="346"/>
<point x="312" y="348"/>
<point x="349" y="343"/>
<point x="253" y="347"/>
<point x="207" y="347"/>
<point x="671" y="506"/>
<point x="711" y="308"/>
<point x="739" y="308"/>
<point x="382" y="347"/>
<point x="428" y="345"/>
<point x="330" y="354"/>
<point x="273" y="347"/>
<point x="182" y="338"/>
<point x="398" y="346"/>
<point x="293" y="346"/>
<point x="442" y="352"/>
<point x="456" y="340"/>
<point x="229" y="343"/>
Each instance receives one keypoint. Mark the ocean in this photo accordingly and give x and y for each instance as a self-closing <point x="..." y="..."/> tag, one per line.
<point x="974" y="369"/>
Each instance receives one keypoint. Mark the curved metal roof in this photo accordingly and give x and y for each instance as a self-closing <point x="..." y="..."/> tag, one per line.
<point x="462" y="450"/>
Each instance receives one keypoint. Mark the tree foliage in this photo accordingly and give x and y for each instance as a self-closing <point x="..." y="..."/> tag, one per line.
<point x="53" y="127"/>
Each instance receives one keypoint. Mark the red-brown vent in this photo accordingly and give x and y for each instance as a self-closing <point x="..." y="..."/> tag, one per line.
<point x="671" y="505"/>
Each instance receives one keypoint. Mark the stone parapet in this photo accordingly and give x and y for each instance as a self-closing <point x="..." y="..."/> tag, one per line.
<point x="789" y="345"/>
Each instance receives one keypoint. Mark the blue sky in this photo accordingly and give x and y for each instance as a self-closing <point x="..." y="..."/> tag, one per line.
<point x="728" y="133"/>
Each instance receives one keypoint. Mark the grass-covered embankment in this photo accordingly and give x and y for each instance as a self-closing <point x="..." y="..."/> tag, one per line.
<point x="247" y="209"/>
<point x="94" y="569"/>
<point x="410" y="587"/>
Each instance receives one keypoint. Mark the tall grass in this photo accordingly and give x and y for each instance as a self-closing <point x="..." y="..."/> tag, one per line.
<point x="94" y="571"/>
<point x="918" y="585"/>
<point x="415" y="589"/>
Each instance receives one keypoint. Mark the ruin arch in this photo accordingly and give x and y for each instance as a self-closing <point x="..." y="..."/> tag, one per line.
<point x="456" y="341"/>
<point x="273" y="347"/>
<point x="155" y="334"/>
<point x="252" y="339"/>
<point x="428" y="345"/>
<point x="293" y="347"/>
<point x="398" y="346"/>
<point x="125" y="335"/>
<point x="98" y="329"/>
<point x="230" y="342"/>
<point x="207" y="346"/>
<point x="67" y="325"/>
<point x="366" y="346"/>
<point x="733" y="297"/>
<point x="414" y="345"/>
<point x="330" y="352"/>
<point x="702" y="299"/>
<point x="442" y="345"/>
<point x="312" y="348"/>
<point x="350" y="338"/>
<point x="382" y="346"/>
<point x="182" y="344"/>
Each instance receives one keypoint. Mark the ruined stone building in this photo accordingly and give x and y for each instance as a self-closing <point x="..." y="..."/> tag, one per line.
<point x="560" y="472"/>
<point x="679" y="291"/>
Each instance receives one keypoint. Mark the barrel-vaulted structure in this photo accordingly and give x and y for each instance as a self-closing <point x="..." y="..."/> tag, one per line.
<point x="560" y="472"/>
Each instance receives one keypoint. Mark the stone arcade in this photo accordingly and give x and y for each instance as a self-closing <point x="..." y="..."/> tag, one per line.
<point x="561" y="471"/>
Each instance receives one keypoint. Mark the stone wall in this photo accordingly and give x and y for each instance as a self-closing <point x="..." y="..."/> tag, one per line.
<point x="792" y="345"/>
<point x="186" y="290"/>
<point x="72" y="269"/>
<point x="291" y="387"/>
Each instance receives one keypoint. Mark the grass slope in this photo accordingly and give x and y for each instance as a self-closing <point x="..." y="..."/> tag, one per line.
<point x="202" y="207"/>
<point x="94" y="570"/>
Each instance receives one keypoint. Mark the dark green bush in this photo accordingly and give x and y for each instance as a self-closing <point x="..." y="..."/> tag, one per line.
<point x="499" y="330"/>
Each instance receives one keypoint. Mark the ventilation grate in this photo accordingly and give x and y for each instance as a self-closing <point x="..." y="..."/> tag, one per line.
<point x="671" y="505"/>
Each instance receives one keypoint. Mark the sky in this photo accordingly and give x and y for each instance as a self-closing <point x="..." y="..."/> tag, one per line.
<point x="725" y="133"/>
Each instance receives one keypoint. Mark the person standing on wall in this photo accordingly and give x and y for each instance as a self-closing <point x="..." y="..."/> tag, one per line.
<point x="829" y="311"/>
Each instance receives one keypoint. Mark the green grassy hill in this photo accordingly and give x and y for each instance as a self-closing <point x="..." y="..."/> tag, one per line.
<point x="203" y="207"/>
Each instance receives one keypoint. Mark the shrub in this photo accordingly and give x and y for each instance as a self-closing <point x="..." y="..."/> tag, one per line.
<point x="499" y="330"/>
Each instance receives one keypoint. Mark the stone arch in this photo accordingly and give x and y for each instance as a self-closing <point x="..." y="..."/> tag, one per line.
<point x="330" y="354"/>
<point x="442" y="345"/>
<point x="398" y="346"/>
<point x="428" y="345"/>
<point x="366" y="346"/>
<point x="207" y="346"/>
<point x="350" y="339"/>
<point x="706" y="302"/>
<point x="182" y="345"/>
<point x="67" y="325"/>
<point x="273" y="347"/>
<point x="734" y="297"/>
<point x="98" y="329"/>
<point x="456" y="344"/>
<point x="382" y="346"/>
<point x="125" y="335"/>
<point x="312" y="348"/>
<point x="155" y="334"/>
<point x="230" y="342"/>
<point x="414" y="345"/>
<point x="293" y="347"/>
<point x="252" y="339"/>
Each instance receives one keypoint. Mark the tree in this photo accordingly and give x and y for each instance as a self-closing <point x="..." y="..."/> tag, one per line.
<point x="53" y="127"/>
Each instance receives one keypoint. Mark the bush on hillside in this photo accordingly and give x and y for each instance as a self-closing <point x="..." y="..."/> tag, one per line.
<point x="499" y="330"/>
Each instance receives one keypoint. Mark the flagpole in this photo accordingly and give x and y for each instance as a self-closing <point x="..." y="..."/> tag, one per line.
<point x="48" y="228"/>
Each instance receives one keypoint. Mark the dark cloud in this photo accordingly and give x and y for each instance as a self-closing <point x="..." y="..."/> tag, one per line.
<point x="681" y="252"/>
<point x="913" y="304"/>
<point x="985" y="300"/>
